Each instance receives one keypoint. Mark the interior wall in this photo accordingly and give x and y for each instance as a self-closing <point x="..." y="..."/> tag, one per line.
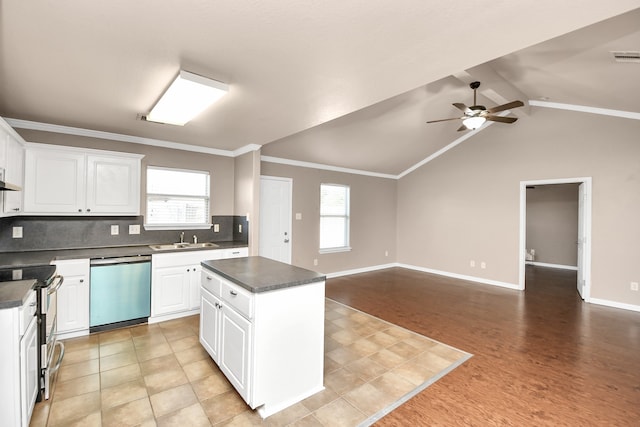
<point x="247" y="194"/>
<point x="464" y="205"/>
<point x="552" y="223"/>
<point x="221" y="169"/>
<point x="372" y="218"/>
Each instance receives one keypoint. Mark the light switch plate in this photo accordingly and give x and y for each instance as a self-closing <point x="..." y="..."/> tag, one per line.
<point x="17" y="232"/>
<point x="216" y="228"/>
<point x="134" y="229"/>
<point x="115" y="230"/>
<point x="298" y="215"/>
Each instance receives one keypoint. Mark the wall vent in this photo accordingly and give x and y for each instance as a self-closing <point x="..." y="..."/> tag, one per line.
<point x="626" y="56"/>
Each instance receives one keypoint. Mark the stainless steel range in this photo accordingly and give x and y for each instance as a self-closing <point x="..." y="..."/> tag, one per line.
<point x="48" y="324"/>
<point x="48" y="283"/>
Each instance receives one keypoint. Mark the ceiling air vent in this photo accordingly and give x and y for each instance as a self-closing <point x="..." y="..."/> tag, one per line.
<point x="626" y="56"/>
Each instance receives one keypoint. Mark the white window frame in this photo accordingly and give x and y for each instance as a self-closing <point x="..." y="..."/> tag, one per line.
<point x="180" y="226"/>
<point x="346" y="216"/>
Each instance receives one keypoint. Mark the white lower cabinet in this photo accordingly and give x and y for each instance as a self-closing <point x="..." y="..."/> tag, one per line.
<point x="73" y="297"/>
<point x="269" y="345"/>
<point x="175" y="281"/>
<point x="19" y="367"/>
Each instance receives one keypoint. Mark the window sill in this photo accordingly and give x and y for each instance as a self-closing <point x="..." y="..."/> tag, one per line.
<point x="177" y="227"/>
<point x="335" y="250"/>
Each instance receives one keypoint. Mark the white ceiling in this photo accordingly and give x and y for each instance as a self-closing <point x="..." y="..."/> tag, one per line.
<point x="371" y="71"/>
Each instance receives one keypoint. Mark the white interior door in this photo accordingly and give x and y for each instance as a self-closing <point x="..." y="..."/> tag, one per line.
<point x="275" y="218"/>
<point x="581" y="238"/>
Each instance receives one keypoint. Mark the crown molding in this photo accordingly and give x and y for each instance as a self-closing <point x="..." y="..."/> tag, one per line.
<point x="325" y="167"/>
<point x="586" y="109"/>
<point x="68" y="130"/>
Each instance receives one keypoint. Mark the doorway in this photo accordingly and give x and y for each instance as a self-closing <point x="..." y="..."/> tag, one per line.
<point x="583" y="283"/>
<point x="275" y="218"/>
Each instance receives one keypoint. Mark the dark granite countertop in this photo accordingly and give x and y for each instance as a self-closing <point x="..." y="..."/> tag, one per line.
<point x="15" y="293"/>
<point x="258" y="274"/>
<point x="33" y="258"/>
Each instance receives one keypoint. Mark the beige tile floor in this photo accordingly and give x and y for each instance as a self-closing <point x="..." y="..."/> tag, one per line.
<point x="159" y="375"/>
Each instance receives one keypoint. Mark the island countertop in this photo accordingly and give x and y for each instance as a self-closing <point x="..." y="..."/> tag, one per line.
<point x="258" y="274"/>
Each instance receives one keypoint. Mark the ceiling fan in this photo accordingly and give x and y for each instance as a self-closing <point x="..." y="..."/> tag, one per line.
<point x="476" y="115"/>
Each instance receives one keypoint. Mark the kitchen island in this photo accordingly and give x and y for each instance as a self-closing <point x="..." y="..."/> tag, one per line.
<point x="262" y="322"/>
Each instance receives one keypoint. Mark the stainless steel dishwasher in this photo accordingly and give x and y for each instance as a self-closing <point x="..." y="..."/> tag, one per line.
<point x="120" y="292"/>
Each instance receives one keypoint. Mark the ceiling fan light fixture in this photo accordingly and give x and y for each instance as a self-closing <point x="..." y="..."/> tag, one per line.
<point x="473" y="123"/>
<point x="188" y="96"/>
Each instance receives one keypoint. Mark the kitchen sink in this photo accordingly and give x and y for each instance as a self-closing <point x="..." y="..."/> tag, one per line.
<point x="173" y="246"/>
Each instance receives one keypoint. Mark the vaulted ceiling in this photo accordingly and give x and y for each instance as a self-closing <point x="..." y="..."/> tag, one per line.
<point x="343" y="83"/>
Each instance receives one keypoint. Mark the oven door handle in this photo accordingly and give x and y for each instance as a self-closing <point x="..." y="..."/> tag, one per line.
<point x="59" y="362"/>
<point x="51" y="289"/>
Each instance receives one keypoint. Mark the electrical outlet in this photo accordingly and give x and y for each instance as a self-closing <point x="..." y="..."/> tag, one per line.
<point x="134" y="229"/>
<point x="472" y="263"/>
<point x="483" y="264"/>
<point x="386" y="253"/>
<point x="216" y="228"/>
<point x="17" y="232"/>
<point x="239" y="228"/>
<point x="315" y="261"/>
<point x="634" y="286"/>
<point x="298" y="216"/>
<point x="115" y="230"/>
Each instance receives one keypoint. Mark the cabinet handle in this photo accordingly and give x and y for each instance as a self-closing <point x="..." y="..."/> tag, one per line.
<point x="81" y="280"/>
<point x="209" y="278"/>
<point x="79" y="210"/>
<point x="88" y="210"/>
<point x="16" y="209"/>
<point x="234" y="293"/>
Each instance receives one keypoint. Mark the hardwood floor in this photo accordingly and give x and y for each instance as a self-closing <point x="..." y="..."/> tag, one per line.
<point x="541" y="357"/>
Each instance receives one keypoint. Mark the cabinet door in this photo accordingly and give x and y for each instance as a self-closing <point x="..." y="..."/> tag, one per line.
<point x="113" y="185"/>
<point x="73" y="304"/>
<point x="14" y="174"/>
<point x="170" y="291"/>
<point x="29" y="371"/>
<point x="210" y="315"/>
<point x="235" y="348"/>
<point x="54" y="181"/>
<point x="194" y="286"/>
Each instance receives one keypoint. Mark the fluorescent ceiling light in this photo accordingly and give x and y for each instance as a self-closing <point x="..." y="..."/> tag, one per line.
<point x="188" y="96"/>
<point x="474" y="122"/>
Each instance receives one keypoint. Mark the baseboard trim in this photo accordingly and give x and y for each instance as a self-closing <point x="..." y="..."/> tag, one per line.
<point x="424" y="270"/>
<point x="615" y="304"/>
<point x="558" y="266"/>
<point x="462" y="276"/>
<point x="361" y="270"/>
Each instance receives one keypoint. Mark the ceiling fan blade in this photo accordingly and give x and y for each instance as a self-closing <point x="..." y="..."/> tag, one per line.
<point x="507" y="106"/>
<point x="443" y="120"/>
<point x="462" y="108"/>
<point x="501" y="119"/>
<point x="461" y="128"/>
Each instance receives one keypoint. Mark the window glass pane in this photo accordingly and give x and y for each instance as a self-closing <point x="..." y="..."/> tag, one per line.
<point x="187" y="183"/>
<point x="174" y="210"/>
<point x="333" y="200"/>
<point x="177" y="197"/>
<point x="332" y="232"/>
<point x="334" y="216"/>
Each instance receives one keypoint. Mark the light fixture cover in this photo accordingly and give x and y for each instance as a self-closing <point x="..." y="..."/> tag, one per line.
<point x="474" y="122"/>
<point x="188" y="96"/>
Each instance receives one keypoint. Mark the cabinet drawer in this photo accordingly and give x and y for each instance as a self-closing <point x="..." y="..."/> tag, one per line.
<point x="238" y="298"/>
<point x="212" y="283"/>
<point x="27" y="311"/>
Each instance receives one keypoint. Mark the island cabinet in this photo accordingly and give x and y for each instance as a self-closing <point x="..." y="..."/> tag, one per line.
<point x="262" y="322"/>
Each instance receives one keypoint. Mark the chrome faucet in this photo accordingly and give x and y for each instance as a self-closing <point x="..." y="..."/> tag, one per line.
<point x="182" y="237"/>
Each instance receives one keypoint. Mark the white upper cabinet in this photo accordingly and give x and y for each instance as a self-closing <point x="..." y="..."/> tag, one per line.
<point x="70" y="181"/>
<point x="12" y="161"/>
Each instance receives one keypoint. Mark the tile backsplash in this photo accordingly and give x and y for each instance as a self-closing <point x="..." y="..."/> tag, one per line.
<point x="58" y="232"/>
